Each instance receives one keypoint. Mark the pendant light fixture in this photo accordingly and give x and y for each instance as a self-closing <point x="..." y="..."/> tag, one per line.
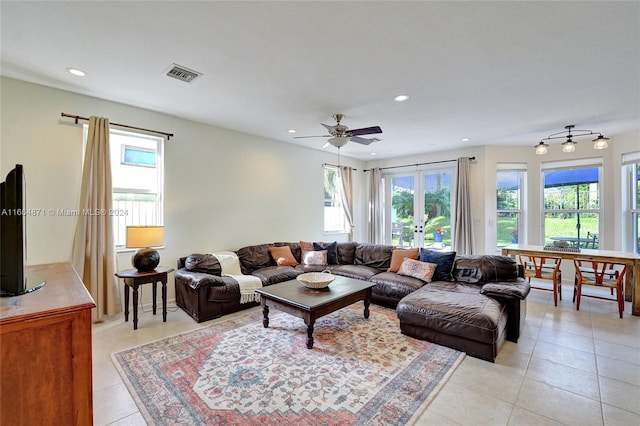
<point x="570" y="145"/>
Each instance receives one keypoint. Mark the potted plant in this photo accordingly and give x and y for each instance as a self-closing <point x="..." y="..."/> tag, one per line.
<point x="514" y="236"/>
<point x="438" y="233"/>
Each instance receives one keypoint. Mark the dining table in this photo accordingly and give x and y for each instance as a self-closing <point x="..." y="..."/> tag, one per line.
<point x="632" y="260"/>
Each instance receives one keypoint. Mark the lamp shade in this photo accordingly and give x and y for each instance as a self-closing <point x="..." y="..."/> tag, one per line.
<point x="600" y="142"/>
<point x="541" y="148"/>
<point x="145" y="236"/>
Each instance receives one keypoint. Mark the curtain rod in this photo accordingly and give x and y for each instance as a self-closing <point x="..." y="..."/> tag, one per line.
<point x="77" y="117"/>
<point x="418" y="164"/>
<point x="333" y="165"/>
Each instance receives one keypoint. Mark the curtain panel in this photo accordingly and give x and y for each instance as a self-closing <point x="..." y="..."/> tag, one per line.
<point x="346" y="179"/>
<point x="376" y="213"/>
<point x="93" y="253"/>
<point x="463" y="240"/>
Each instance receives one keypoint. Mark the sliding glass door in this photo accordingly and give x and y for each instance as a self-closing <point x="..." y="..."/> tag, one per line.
<point x="419" y="208"/>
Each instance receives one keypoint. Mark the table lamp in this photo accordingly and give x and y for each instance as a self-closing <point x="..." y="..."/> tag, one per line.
<point x="145" y="237"/>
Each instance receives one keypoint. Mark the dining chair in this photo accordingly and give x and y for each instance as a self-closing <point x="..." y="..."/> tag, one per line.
<point x="599" y="274"/>
<point x="592" y="240"/>
<point x="544" y="268"/>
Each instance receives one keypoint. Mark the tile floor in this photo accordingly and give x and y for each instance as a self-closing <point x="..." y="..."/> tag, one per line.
<point x="569" y="367"/>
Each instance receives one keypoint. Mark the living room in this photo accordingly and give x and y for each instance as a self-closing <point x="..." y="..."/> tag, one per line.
<point x="225" y="189"/>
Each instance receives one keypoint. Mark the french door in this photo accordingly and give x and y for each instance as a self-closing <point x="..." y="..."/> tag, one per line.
<point x="418" y="208"/>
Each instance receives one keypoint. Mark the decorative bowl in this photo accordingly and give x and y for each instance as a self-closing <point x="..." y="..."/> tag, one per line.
<point x="316" y="279"/>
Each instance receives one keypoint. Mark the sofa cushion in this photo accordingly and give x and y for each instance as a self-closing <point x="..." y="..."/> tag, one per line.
<point x="395" y="286"/>
<point x="347" y="253"/>
<point x="228" y="292"/>
<point x="398" y="255"/>
<point x="416" y="269"/>
<point x="205" y="263"/>
<point x="518" y="288"/>
<point x="359" y="272"/>
<point x="283" y="256"/>
<point x="373" y="255"/>
<point x="316" y="268"/>
<point x="457" y="309"/>
<point x="332" y="251"/>
<point x="485" y="268"/>
<point x="444" y="260"/>
<point x="276" y="274"/>
<point x="254" y="257"/>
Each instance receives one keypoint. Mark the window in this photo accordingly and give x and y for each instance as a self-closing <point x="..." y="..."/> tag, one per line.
<point x="137" y="180"/>
<point x="334" y="217"/>
<point x="509" y="202"/>
<point x="631" y="185"/>
<point x="571" y="196"/>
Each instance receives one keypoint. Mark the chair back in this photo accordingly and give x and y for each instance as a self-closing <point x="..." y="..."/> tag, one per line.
<point x="545" y="267"/>
<point x="599" y="273"/>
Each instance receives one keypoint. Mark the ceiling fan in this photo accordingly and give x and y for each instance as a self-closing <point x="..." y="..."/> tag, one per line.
<point x="339" y="135"/>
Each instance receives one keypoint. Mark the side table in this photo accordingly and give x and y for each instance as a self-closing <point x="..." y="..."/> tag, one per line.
<point x="134" y="279"/>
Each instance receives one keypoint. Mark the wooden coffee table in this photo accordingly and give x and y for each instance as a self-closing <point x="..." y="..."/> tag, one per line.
<point x="309" y="304"/>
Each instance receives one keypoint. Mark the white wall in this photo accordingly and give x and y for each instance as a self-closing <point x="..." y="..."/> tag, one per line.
<point x="223" y="189"/>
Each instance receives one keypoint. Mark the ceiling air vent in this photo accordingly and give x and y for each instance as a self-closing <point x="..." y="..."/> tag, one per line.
<point x="183" y="74"/>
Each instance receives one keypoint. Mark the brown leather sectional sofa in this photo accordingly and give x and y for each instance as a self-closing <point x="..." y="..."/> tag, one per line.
<point x="473" y="307"/>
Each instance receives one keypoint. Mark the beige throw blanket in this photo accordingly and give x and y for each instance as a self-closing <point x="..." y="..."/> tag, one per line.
<point x="230" y="265"/>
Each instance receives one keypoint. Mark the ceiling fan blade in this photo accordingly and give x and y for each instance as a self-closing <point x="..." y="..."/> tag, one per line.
<point x="305" y="137"/>
<point x="365" y="131"/>
<point x="326" y="126"/>
<point x="363" y="141"/>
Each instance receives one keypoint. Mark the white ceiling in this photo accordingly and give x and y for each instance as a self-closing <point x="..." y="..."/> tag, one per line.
<point x="500" y="73"/>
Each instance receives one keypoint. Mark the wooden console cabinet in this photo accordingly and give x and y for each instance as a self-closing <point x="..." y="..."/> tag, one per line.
<point x="45" y="351"/>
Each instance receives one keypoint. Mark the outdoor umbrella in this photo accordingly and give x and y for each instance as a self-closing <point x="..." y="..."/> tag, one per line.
<point x="570" y="177"/>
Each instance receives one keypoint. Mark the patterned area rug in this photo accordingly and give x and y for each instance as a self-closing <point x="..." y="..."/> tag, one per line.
<point x="236" y="372"/>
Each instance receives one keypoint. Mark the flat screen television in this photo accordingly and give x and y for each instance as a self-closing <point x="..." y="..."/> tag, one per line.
<point x="14" y="280"/>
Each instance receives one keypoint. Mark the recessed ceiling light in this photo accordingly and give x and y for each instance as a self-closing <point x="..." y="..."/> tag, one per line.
<point x="76" y="72"/>
<point x="465" y="139"/>
<point x="291" y="130"/>
<point x="401" y="98"/>
<point x="374" y="153"/>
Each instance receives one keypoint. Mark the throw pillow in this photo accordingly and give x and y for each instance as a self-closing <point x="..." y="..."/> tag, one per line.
<point x="315" y="257"/>
<point x="332" y="251"/>
<point x="416" y="269"/>
<point x="444" y="260"/>
<point x="283" y="256"/>
<point x="398" y="255"/>
<point x="305" y="247"/>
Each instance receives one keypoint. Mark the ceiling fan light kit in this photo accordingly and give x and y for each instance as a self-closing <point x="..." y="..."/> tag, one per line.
<point x="570" y="145"/>
<point x="338" y="141"/>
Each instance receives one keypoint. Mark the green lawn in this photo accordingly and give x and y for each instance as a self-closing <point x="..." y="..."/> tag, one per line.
<point x="555" y="225"/>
